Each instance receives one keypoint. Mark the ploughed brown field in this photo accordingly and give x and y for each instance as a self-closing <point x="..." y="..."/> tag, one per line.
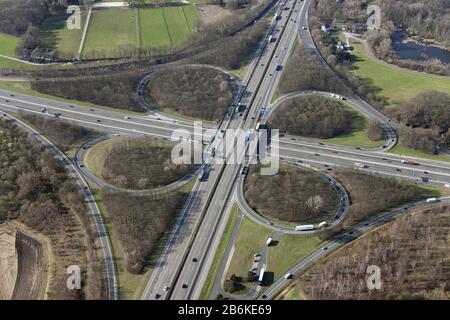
<point x="22" y="264"/>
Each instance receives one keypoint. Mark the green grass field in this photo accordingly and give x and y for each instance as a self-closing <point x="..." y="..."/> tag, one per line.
<point x="391" y="83"/>
<point x="111" y="28"/>
<point x="250" y="239"/>
<point x="289" y="250"/>
<point x="158" y="27"/>
<point x="55" y="34"/>
<point x="8" y="46"/>
<point x="153" y="29"/>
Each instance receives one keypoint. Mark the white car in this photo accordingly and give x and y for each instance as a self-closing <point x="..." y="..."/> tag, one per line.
<point x="127" y="117"/>
<point x="288" y="276"/>
<point x="304" y="28"/>
<point x="166" y="288"/>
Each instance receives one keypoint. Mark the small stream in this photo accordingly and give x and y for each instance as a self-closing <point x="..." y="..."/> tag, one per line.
<point x="416" y="51"/>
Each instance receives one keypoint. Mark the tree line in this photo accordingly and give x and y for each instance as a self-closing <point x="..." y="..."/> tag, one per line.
<point x="425" y="121"/>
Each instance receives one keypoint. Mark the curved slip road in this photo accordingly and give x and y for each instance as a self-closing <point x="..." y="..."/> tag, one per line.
<point x="339" y="215"/>
<point x="79" y="155"/>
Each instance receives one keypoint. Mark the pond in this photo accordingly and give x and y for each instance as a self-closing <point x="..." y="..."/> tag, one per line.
<point x="416" y="51"/>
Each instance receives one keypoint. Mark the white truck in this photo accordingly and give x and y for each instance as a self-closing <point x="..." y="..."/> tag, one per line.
<point x="261" y="276"/>
<point x="322" y="224"/>
<point x="305" y="227"/>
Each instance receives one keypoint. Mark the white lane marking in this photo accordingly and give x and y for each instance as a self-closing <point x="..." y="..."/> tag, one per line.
<point x="374" y="154"/>
<point x="97" y="116"/>
<point x="367" y="171"/>
<point x="367" y="162"/>
<point x="89" y="122"/>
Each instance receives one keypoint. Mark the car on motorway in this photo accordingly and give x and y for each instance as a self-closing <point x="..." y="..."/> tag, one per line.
<point x="194" y="259"/>
<point x="244" y="170"/>
<point x="288" y="276"/>
<point x="279" y="67"/>
<point x="44" y="110"/>
<point x="127" y="117"/>
<point x="166" y="288"/>
<point x="184" y="286"/>
<point x="98" y="120"/>
<point x="304" y="28"/>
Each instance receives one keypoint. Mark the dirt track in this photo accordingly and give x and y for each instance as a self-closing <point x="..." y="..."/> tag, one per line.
<point x="31" y="268"/>
<point x="22" y="266"/>
<point x="8" y="264"/>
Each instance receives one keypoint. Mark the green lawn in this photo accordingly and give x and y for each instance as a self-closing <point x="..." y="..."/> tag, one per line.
<point x="176" y="24"/>
<point x="393" y="84"/>
<point x="111" y="28"/>
<point x="12" y="64"/>
<point x="212" y="274"/>
<point x="191" y="16"/>
<point x="8" y="44"/>
<point x="289" y="250"/>
<point x="251" y="238"/>
<point x="56" y="35"/>
<point x="153" y="28"/>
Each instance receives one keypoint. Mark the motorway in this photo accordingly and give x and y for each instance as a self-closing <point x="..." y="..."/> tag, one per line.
<point x="185" y="260"/>
<point x="261" y="86"/>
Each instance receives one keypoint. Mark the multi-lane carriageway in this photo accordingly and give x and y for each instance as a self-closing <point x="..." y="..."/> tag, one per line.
<point x="185" y="259"/>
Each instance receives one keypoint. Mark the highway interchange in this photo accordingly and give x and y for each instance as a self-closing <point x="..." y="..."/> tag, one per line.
<point x="184" y="264"/>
